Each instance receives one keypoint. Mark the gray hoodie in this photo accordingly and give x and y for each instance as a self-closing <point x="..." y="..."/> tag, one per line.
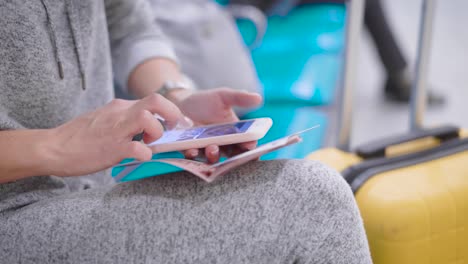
<point x="57" y="57"/>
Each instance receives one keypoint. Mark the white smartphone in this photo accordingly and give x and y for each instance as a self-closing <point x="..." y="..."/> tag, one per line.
<point x="219" y="134"/>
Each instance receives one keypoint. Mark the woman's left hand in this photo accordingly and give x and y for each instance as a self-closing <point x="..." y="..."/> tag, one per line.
<point x="216" y="106"/>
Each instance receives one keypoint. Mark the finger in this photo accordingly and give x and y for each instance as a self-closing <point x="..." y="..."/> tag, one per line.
<point x="191" y="153"/>
<point x="248" y="145"/>
<point x="118" y="104"/>
<point x="231" y="150"/>
<point x="157" y="104"/>
<point x="212" y="153"/>
<point x="232" y="97"/>
<point x="138" y="151"/>
<point x="144" y="121"/>
<point x="236" y="149"/>
<point x="226" y="150"/>
<point x="153" y="130"/>
<point x="230" y="117"/>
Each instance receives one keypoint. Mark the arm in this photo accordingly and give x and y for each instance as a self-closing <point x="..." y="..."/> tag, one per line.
<point x="28" y="153"/>
<point x="150" y="75"/>
<point x="87" y="144"/>
<point x="143" y="58"/>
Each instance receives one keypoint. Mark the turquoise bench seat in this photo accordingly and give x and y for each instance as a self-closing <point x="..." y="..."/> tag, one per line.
<point x="300" y="52"/>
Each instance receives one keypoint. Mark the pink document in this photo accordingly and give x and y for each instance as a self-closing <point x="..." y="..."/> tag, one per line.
<point x="209" y="172"/>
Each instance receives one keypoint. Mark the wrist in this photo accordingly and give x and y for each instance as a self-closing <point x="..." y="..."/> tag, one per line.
<point x="176" y="91"/>
<point x="29" y="154"/>
<point x="177" y="96"/>
<point x="152" y="74"/>
<point x="46" y="153"/>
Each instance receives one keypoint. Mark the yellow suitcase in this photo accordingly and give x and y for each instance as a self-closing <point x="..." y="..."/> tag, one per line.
<point x="414" y="205"/>
<point x="412" y="189"/>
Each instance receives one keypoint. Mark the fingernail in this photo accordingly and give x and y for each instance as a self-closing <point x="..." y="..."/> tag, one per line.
<point x="193" y="153"/>
<point x="251" y="92"/>
<point x="215" y="151"/>
<point x="248" y="146"/>
<point x="184" y="123"/>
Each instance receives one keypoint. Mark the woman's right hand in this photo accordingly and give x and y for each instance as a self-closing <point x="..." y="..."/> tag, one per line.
<point x="101" y="139"/>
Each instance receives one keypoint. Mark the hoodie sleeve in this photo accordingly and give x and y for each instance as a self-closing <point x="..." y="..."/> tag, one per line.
<point x="134" y="37"/>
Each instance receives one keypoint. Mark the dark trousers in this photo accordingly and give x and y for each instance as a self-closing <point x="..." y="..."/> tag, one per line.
<point x="375" y="21"/>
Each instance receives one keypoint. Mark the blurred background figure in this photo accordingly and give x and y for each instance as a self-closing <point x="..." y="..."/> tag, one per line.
<point x="399" y="76"/>
<point x="208" y="45"/>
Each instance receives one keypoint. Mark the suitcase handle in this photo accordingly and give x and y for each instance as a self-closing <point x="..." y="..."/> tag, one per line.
<point x="377" y="149"/>
<point x="418" y="92"/>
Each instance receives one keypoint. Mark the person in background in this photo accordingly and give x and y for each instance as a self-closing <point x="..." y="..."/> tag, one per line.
<point x="207" y="43"/>
<point x="209" y="48"/>
<point x="398" y="74"/>
<point x="58" y="120"/>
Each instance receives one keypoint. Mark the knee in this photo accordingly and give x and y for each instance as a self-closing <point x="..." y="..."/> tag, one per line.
<point x="317" y="184"/>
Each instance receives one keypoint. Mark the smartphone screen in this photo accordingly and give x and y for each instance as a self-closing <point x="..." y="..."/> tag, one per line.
<point x="204" y="132"/>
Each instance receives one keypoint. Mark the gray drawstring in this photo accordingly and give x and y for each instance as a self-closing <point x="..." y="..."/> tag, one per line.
<point x="53" y="38"/>
<point x="51" y="28"/>
<point x="74" y="31"/>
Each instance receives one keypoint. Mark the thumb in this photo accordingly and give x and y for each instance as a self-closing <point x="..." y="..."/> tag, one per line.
<point x="231" y="97"/>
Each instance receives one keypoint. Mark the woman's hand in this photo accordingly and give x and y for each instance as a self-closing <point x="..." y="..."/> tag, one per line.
<point x="103" y="138"/>
<point x="215" y="106"/>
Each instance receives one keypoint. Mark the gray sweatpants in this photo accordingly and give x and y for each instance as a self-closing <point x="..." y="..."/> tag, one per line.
<point x="264" y="212"/>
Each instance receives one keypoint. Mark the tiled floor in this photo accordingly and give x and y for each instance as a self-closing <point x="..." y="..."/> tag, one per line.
<point x="373" y="117"/>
